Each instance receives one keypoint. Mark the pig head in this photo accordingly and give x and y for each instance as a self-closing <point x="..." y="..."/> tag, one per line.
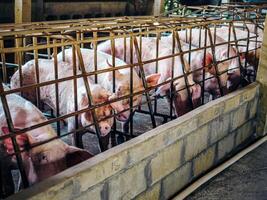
<point x="42" y="161"/>
<point x="45" y="160"/>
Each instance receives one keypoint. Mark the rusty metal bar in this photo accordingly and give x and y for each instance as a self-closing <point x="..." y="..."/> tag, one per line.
<point x="13" y="139"/>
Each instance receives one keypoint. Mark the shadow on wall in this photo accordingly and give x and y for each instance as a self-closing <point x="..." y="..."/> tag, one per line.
<point x="47" y="10"/>
<point x="7" y="11"/>
<point x="200" y="2"/>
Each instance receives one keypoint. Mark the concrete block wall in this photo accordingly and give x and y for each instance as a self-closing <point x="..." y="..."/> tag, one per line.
<point x="262" y="80"/>
<point x="159" y="163"/>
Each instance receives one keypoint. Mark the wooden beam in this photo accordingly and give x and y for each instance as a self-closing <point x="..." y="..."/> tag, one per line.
<point x="23" y="11"/>
<point x="156" y="7"/>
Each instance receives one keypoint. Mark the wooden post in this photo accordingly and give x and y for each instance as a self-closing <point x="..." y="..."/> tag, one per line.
<point x="155" y="7"/>
<point x="262" y="79"/>
<point x="23" y="11"/>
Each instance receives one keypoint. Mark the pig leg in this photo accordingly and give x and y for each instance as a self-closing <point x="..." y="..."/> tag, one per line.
<point x="105" y="141"/>
<point x="181" y="106"/>
<point x="126" y="125"/>
<point x="196" y="95"/>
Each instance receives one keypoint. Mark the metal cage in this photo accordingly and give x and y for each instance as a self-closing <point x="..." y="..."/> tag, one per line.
<point x="23" y="42"/>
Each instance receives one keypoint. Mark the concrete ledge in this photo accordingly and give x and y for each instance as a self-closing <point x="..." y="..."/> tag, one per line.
<point x="160" y="162"/>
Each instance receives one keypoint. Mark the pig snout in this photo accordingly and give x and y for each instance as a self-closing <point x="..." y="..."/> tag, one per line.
<point x="119" y="108"/>
<point x="105" y="128"/>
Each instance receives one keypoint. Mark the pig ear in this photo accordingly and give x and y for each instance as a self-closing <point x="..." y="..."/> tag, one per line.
<point x="152" y="79"/>
<point x="104" y="94"/>
<point x="110" y="74"/>
<point x="5" y="130"/>
<point x="117" y="105"/>
<point x="117" y="75"/>
<point x="161" y="91"/>
<point x="84" y="100"/>
<point x="21" y="139"/>
<point x="75" y="155"/>
<point x="208" y="59"/>
<point x="208" y="64"/>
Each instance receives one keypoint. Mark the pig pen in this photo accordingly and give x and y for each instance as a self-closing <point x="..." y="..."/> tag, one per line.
<point x="148" y="165"/>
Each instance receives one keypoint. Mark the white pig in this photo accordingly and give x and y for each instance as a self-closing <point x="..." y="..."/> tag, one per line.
<point x="122" y="78"/>
<point x="66" y="93"/>
<point x="148" y="52"/>
<point x="225" y="66"/>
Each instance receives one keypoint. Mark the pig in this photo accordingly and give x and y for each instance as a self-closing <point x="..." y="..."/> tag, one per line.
<point x="39" y="162"/>
<point x="252" y="56"/>
<point x="66" y="94"/>
<point x="227" y="69"/>
<point x="182" y="101"/>
<point x="122" y="79"/>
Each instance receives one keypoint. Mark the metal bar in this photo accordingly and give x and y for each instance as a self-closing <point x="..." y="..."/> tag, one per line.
<point x="56" y="86"/>
<point x="13" y="139"/>
<point x="36" y="63"/>
<point x="214" y="61"/>
<point x="113" y="54"/>
<point x="89" y="96"/>
<point x="185" y="70"/>
<point x="139" y="58"/>
<point x="3" y="59"/>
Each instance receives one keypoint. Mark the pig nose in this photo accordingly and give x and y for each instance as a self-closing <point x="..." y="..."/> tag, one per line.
<point x="105" y="129"/>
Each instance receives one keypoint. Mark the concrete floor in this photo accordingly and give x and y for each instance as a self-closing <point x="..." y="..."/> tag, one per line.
<point x="245" y="180"/>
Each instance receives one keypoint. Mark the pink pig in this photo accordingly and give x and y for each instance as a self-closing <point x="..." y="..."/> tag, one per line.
<point x="42" y="161"/>
<point x="225" y="66"/>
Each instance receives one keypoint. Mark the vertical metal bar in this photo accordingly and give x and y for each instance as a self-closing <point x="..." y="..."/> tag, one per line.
<point x="172" y="89"/>
<point x="56" y="86"/>
<point x="48" y="49"/>
<point x="228" y="44"/>
<point x="76" y="135"/>
<point x="82" y="38"/>
<point x="124" y="47"/>
<point x="35" y="51"/>
<point x="89" y="96"/>
<point x="157" y="66"/>
<point x="95" y="54"/>
<point x="144" y="81"/>
<point x="13" y="139"/>
<point x="3" y="58"/>
<point x="237" y="51"/>
<point x="185" y="71"/>
<point x="131" y="97"/>
<point x="78" y="36"/>
<point x="203" y="70"/>
<point x="214" y="61"/>
<point x="63" y="49"/>
<point x="113" y="53"/>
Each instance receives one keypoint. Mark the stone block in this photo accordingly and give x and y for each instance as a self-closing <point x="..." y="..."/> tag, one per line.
<point x="176" y="181"/>
<point x="128" y="184"/>
<point x="196" y="142"/>
<point x="219" y="127"/>
<point x="210" y="113"/>
<point x="225" y="146"/>
<point x="204" y="161"/>
<point x="152" y="193"/>
<point x="166" y="161"/>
